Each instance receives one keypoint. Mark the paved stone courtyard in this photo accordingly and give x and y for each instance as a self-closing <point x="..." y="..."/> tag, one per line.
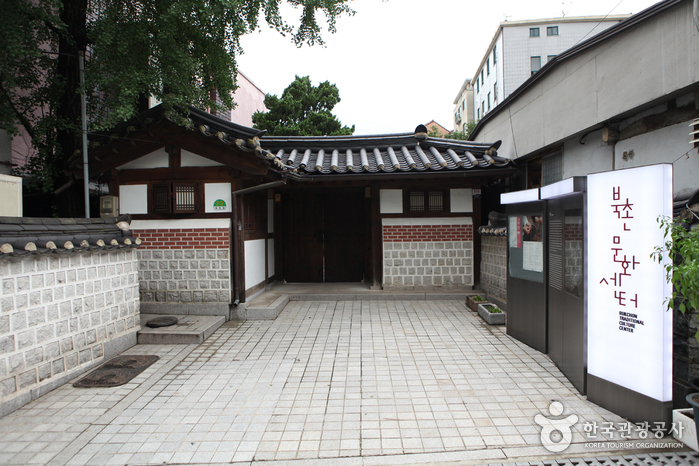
<point x="356" y="382"/>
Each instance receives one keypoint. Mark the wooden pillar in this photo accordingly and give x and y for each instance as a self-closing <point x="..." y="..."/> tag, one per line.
<point x="376" y="238"/>
<point x="476" y="241"/>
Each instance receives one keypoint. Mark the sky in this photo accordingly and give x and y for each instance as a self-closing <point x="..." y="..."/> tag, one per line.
<point x="401" y="63"/>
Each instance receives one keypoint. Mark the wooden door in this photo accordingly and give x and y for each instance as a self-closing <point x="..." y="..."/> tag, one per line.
<point x="323" y="236"/>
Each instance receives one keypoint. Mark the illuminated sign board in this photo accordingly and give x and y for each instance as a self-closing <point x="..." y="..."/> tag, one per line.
<point x="629" y="332"/>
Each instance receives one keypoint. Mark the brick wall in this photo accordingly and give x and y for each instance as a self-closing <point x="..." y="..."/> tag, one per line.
<point x="494" y="266"/>
<point x="427" y="256"/>
<point x="184" y="238"/>
<point x="61" y="315"/>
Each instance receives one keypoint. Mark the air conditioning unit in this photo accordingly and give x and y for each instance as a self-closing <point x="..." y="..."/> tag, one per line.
<point x="109" y="206"/>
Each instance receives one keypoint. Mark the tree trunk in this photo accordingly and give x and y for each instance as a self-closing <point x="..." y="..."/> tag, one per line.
<point x="70" y="45"/>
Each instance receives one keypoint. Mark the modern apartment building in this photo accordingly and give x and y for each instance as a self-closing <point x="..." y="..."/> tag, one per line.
<point x="463" y="110"/>
<point x="521" y="48"/>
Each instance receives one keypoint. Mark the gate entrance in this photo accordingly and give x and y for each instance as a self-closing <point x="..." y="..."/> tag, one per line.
<point x="323" y="239"/>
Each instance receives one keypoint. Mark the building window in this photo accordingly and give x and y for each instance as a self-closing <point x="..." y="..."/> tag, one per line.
<point x="175" y="198"/>
<point x="482" y="77"/>
<point x="483" y="108"/>
<point x="488" y="101"/>
<point x="533" y="32"/>
<point x="487" y="66"/>
<point x="551" y="169"/>
<point x="536" y="64"/>
<point x="479" y="114"/>
<point x="550" y="57"/>
<point x="478" y="85"/>
<point x="495" y="91"/>
<point x="426" y="201"/>
<point x="552" y="31"/>
<point x="495" y="54"/>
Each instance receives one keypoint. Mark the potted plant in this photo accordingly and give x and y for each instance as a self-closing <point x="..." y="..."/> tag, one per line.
<point x="682" y="247"/>
<point x="474" y="300"/>
<point x="492" y="314"/>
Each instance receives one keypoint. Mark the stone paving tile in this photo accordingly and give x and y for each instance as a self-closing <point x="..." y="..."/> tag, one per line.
<point x="325" y="380"/>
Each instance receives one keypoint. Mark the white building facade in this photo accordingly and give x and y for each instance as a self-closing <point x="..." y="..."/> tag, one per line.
<point x="521" y="48"/>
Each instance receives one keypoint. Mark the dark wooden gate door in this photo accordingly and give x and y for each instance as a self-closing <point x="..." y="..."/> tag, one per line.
<point x="323" y="237"/>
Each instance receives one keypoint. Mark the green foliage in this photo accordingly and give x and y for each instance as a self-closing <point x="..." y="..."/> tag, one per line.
<point x="302" y="110"/>
<point x="477" y="297"/>
<point x="177" y="52"/>
<point x="682" y="247"/>
<point x="458" y="135"/>
<point x="494" y="310"/>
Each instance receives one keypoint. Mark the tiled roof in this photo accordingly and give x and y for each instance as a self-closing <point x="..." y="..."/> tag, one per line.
<point x="396" y="153"/>
<point x="21" y="236"/>
<point x="488" y="230"/>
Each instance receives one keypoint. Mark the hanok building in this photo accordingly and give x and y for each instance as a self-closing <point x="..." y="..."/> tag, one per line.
<point x="224" y="211"/>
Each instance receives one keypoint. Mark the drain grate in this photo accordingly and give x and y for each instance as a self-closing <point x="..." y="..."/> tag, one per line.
<point x="641" y="459"/>
<point x="116" y="371"/>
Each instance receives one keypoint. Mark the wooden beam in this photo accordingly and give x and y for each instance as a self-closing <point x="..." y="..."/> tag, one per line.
<point x="376" y="237"/>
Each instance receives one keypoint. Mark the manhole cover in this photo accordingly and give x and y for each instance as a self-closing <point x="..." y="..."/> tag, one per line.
<point x="116" y="371"/>
<point x="161" y="322"/>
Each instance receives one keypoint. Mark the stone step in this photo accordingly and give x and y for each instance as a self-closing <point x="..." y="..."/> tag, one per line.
<point x="188" y="330"/>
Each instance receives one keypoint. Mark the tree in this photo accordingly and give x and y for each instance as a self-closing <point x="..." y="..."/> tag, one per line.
<point x="302" y="110"/>
<point x="176" y="52"/>
<point x="458" y="135"/>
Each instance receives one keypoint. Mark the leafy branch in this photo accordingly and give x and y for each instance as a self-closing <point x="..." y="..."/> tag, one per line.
<point x="682" y="247"/>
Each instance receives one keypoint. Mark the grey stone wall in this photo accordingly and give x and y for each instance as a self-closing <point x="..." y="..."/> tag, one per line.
<point x="494" y="266"/>
<point x="428" y="264"/>
<point x="62" y="314"/>
<point x="184" y="276"/>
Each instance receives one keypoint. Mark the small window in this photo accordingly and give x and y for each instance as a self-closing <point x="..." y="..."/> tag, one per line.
<point x="488" y="101"/>
<point x="533" y="32"/>
<point x="175" y="198"/>
<point x="487" y="66"/>
<point x="552" y="31"/>
<point x="495" y="54"/>
<point x="254" y="215"/>
<point x="482" y="77"/>
<point x="551" y="169"/>
<point x="495" y="91"/>
<point x="536" y="64"/>
<point x="479" y="114"/>
<point x="483" y="107"/>
<point x="478" y="85"/>
<point x="426" y="201"/>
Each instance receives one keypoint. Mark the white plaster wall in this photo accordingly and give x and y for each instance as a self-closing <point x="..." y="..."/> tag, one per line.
<point x="180" y="223"/>
<point x="391" y="201"/>
<point x="270" y="258"/>
<point x="461" y="200"/>
<point x="666" y="145"/>
<point x="254" y="262"/>
<point x="414" y="221"/>
<point x="190" y="159"/>
<point x="133" y="199"/>
<point x="157" y="159"/>
<point x="11" y="195"/>
<point x="215" y="191"/>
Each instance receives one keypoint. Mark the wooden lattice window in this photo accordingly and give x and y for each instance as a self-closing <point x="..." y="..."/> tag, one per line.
<point x="426" y="201"/>
<point x="254" y="213"/>
<point x="175" y="198"/>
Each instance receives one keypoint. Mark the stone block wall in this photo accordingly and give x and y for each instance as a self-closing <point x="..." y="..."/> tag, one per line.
<point x="60" y="315"/>
<point x="184" y="266"/>
<point x="494" y="266"/>
<point x="427" y="256"/>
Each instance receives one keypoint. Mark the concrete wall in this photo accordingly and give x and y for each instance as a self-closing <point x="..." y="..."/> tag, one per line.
<point x="61" y="315"/>
<point x="249" y="99"/>
<point x="185" y="263"/>
<point x="494" y="266"/>
<point x="656" y="58"/>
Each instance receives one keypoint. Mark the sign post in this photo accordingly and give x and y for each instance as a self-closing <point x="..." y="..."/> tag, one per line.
<point x="629" y="337"/>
